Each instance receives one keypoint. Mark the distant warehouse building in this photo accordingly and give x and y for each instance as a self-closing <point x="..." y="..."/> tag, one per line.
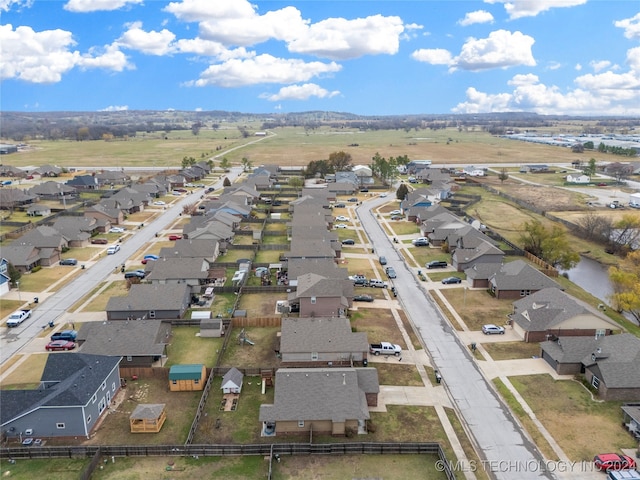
<point x="7" y="148"/>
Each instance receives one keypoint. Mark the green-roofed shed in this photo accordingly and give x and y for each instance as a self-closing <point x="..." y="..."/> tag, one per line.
<point x="186" y="378"/>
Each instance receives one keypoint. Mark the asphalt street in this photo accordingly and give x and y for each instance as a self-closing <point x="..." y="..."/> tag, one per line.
<point x="508" y="453"/>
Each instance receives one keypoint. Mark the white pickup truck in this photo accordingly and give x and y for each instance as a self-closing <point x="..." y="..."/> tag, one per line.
<point x="385" y="348"/>
<point x="17" y="317"/>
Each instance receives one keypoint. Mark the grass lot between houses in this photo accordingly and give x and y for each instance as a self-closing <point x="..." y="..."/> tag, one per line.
<point x="580" y="424"/>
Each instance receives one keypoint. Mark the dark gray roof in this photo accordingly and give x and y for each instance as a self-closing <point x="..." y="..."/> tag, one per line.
<point x="325" y="267"/>
<point x="314" y="285"/>
<point x="484" y="249"/>
<point x="309" y="394"/>
<point x="150" y="297"/>
<point x="125" y="338"/>
<point x="174" y="268"/>
<point x="42" y="237"/>
<point x="68" y="379"/>
<point x="519" y="275"/>
<point x="550" y="307"/>
<point x="190" y="248"/>
<point x="320" y="334"/>
<point x="481" y="271"/>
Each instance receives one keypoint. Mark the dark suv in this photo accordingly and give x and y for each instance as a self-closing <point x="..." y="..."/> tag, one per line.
<point x="436" y="264"/>
<point x="391" y="273"/>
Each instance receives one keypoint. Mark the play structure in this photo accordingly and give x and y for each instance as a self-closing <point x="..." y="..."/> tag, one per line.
<point x="242" y="338"/>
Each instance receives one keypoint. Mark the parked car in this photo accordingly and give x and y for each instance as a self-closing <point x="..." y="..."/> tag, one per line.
<point x="383" y="260"/>
<point x="383" y="194"/>
<point x="159" y="202"/>
<point x="420" y="243"/>
<point x="58" y="345"/>
<point x="113" y="249"/>
<point x="451" y="280"/>
<point x="348" y="241"/>
<point x="68" y="335"/>
<point x="342" y="218"/>
<point x="116" y="230"/>
<point x="175" y="237"/>
<point x="359" y="279"/>
<point x="353" y="199"/>
<point x="340" y="205"/>
<point x="69" y="261"/>
<point x="391" y="273"/>
<point x="395" y="212"/>
<point x="436" y="264"/>
<point x="420" y="239"/>
<point x="135" y="274"/>
<point x="363" y="298"/>
<point x="377" y="283"/>
<point x="601" y="184"/>
<point x="340" y="225"/>
<point x="491" y="329"/>
<point x="613" y="461"/>
<point x="99" y="241"/>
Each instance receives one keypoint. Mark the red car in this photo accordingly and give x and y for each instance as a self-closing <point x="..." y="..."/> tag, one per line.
<point x="613" y="461"/>
<point x="60" y="345"/>
<point x="175" y="237"/>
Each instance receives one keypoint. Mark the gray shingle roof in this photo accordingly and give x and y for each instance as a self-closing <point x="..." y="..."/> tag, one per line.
<point x="309" y="394"/>
<point x="175" y="268"/>
<point x="332" y="335"/>
<point x="150" y="297"/>
<point x="125" y="338"/>
<point x="234" y="376"/>
<point x="519" y="275"/>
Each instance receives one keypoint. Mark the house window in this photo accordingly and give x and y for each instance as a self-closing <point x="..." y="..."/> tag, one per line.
<point x="88" y="419"/>
<point x="152" y="314"/>
<point x="113" y="387"/>
<point x="60" y="426"/>
<point x="301" y="423"/>
<point x="314" y="355"/>
<point x="104" y="385"/>
<point x="196" y="381"/>
<point x="601" y="332"/>
<point x="524" y="293"/>
<point x="129" y="358"/>
<point x="313" y="300"/>
<point x="595" y="382"/>
<point x="94" y="398"/>
<point x="101" y="406"/>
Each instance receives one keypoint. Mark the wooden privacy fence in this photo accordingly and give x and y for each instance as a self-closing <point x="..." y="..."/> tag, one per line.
<point x="355" y="448"/>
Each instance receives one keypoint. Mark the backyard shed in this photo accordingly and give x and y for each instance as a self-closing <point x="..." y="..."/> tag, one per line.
<point x="187" y="378"/>
<point x="148" y="418"/>
<point x="211" y="327"/>
<point x="232" y="381"/>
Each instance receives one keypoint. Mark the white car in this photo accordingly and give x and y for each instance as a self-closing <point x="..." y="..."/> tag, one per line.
<point x="396" y="212"/>
<point x="116" y="230"/>
<point x="342" y="218"/>
<point x="491" y="329"/>
<point x="341" y="225"/>
<point x="383" y="194"/>
<point x="159" y="202"/>
<point x="113" y="249"/>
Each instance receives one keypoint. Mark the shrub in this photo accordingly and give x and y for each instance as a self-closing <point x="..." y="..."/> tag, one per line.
<point x="37" y="268"/>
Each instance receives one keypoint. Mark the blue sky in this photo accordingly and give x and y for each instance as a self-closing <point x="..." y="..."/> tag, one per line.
<point x="369" y="57"/>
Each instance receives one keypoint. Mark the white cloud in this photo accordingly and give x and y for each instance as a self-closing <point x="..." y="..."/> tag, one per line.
<point x="262" y="69"/>
<point x="209" y="48"/>
<point x="150" y="43"/>
<point x="501" y="49"/>
<point x="434" y="56"/>
<point x="599" y="65"/>
<point x="340" y="39"/>
<point x="85" y="6"/>
<point x="300" y="92"/>
<point x="631" y="26"/>
<point x="578" y="67"/>
<point x="608" y="92"/>
<point x="115" y="108"/>
<point x="479" y="16"/>
<point x="554" y="66"/>
<point x="633" y="59"/>
<point x="531" y="8"/>
<point x="6" y="5"/>
<point x="43" y="57"/>
<point x="201" y="10"/>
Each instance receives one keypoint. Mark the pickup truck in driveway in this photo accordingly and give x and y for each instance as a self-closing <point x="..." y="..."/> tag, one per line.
<point x="17" y="317"/>
<point x="385" y="348"/>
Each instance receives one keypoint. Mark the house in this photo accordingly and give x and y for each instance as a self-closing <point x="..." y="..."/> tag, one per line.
<point x="550" y="313"/>
<point x="12" y="172"/>
<point x="465" y="256"/>
<point x="140" y="343"/>
<point x="192" y="272"/>
<point x="190" y="248"/>
<point x="83" y="182"/>
<point x="319" y="296"/>
<point x="211" y="231"/>
<point x="328" y="401"/>
<point x="364" y="174"/>
<point x="73" y="395"/>
<point x="111" y="177"/>
<point x="109" y="214"/>
<point x="47" y="171"/>
<point x="323" y="341"/>
<point x="232" y="381"/>
<point x="187" y="378"/>
<point x="610" y="364"/>
<point x="43" y="238"/>
<point x="518" y="279"/>
<point x="54" y="191"/>
<point x="5" y="279"/>
<point x="25" y="257"/>
<point x="631" y="414"/>
<point x="478" y="275"/>
<point x="37" y="210"/>
<point x="147" y="301"/>
<point x="578" y="178"/>
<point x="13" y="198"/>
<point x="147" y="418"/>
<point x="78" y="230"/>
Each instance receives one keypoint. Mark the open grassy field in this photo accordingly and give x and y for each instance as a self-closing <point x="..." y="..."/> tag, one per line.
<point x="187" y="347"/>
<point x="477" y="307"/>
<point x="581" y="425"/>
